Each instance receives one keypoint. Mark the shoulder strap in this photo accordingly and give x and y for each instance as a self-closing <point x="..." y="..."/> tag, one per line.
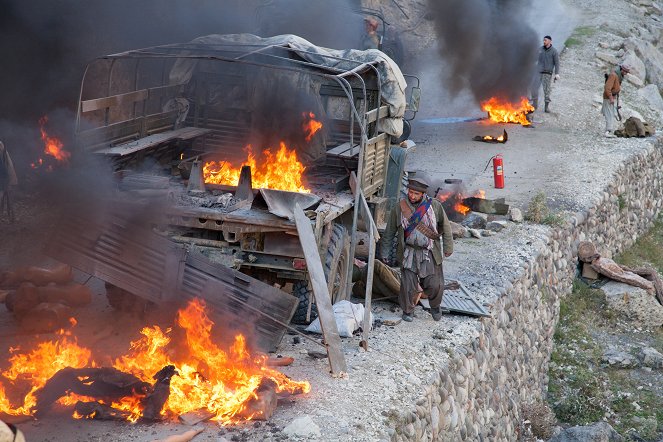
<point x="407" y="213"/>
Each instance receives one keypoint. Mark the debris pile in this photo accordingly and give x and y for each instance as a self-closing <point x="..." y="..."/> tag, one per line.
<point x="42" y="299"/>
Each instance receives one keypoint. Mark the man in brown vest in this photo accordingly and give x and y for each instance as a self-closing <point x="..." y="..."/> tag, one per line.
<point x="417" y="223"/>
<point x="611" y="89"/>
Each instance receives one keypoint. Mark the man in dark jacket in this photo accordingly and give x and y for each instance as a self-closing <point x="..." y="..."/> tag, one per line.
<point x="7" y="179"/>
<point x="417" y="222"/>
<point x="547" y="65"/>
<point x="611" y="89"/>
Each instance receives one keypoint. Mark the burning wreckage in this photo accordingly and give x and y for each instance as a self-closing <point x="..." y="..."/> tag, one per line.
<point x="244" y="169"/>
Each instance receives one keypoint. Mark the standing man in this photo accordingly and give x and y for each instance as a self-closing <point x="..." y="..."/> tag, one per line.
<point x="371" y="39"/>
<point x="417" y="222"/>
<point x="7" y="179"/>
<point x="611" y="89"/>
<point x="547" y="64"/>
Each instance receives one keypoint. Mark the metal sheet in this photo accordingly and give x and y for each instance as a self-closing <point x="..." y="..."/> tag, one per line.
<point x="123" y="254"/>
<point x="245" y="304"/>
<point x="462" y="301"/>
<point x="132" y="257"/>
<point x="282" y="203"/>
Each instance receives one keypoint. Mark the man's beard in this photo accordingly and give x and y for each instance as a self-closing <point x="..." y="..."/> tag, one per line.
<point x="417" y="201"/>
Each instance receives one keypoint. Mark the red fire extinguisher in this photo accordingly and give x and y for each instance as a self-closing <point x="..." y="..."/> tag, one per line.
<point x="498" y="171"/>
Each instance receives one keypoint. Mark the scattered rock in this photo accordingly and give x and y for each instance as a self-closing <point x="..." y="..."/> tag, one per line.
<point x="619" y="359"/>
<point x="457" y="230"/>
<point x="516" y="215"/>
<point x="608" y="58"/>
<point x="651" y="357"/>
<point x="475" y="233"/>
<point x="316" y="354"/>
<point x="598" y="432"/>
<point x="653" y="96"/>
<point x="634" y="303"/>
<point x="302" y="427"/>
<point x="496" y="226"/>
<point x="474" y="221"/>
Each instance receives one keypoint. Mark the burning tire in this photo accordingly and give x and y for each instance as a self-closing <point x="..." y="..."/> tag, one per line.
<point x="337" y="259"/>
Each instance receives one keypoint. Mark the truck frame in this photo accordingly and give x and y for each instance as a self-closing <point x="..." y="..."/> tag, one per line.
<point x="133" y="110"/>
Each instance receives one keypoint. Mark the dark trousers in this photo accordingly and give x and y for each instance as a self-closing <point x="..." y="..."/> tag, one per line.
<point x="433" y="286"/>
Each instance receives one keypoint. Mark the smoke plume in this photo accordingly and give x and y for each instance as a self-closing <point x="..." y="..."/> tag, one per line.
<point x="488" y="45"/>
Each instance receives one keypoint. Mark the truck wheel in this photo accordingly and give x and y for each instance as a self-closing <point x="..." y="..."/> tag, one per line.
<point x="407" y="131"/>
<point x="337" y="259"/>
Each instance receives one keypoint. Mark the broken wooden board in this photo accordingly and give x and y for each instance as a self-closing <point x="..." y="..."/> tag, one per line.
<point x="320" y="292"/>
<point x="482" y="205"/>
<point x="262" y="407"/>
<point x="195" y="417"/>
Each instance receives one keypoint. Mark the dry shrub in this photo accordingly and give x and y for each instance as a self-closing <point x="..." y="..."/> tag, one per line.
<point x="538" y="209"/>
<point x="542" y="420"/>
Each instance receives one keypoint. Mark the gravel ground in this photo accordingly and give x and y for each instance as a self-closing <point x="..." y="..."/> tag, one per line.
<point x="564" y="155"/>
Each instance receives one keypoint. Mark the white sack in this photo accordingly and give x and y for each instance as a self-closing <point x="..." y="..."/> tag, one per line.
<point x="348" y="316"/>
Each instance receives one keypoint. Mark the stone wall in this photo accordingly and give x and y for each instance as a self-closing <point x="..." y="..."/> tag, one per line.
<point x="479" y="395"/>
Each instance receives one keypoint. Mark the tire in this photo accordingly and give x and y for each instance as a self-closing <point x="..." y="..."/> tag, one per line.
<point x="335" y="264"/>
<point x="407" y="131"/>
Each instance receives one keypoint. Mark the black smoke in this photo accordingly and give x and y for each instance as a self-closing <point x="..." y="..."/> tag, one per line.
<point x="46" y="45"/>
<point x="489" y="46"/>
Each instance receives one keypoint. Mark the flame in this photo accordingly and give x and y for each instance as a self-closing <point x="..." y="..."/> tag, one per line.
<point x="219" y="380"/>
<point x="37" y="366"/>
<point x="310" y="125"/>
<point x="281" y="171"/>
<point x="52" y="146"/>
<point x="460" y="207"/>
<point x="501" y="111"/>
<point x="458" y="198"/>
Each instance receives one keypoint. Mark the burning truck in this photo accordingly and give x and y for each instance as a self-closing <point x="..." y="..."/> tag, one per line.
<point x="220" y="140"/>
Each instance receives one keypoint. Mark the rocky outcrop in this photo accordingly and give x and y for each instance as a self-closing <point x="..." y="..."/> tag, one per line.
<point x="599" y="432"/>
<point x="638" y="305"/>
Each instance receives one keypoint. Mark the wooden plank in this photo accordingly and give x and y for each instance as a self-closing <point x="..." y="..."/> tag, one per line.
<point x="368" y="218"/>
<point x="113" y="101"/>
<point x="369" y="287"/>
<point x="160" y="91"/>
<point x="375" y="114"/>
<point x="344" y="150"/>
<point x="321" y="294"/>
<point x="381" y="137"/>
<point x="185" y="133"/>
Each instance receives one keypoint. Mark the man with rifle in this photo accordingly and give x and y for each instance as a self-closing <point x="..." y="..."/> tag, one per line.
<point x="417" y="223"/>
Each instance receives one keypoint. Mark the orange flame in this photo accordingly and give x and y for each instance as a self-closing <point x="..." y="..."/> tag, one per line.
<point x="37" y="367"/>
<point x="501" y="111"/>
<point x="458" y="198"/>
<point x="461" y="208"/>
<point x="218" y="380"/>
<point x="281" y="171"/>
<point x="310" y="125"/>
<point x="52" y="146"/>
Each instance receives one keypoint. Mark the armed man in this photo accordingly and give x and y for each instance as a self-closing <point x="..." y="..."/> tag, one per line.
<point x="417" y="223"/>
